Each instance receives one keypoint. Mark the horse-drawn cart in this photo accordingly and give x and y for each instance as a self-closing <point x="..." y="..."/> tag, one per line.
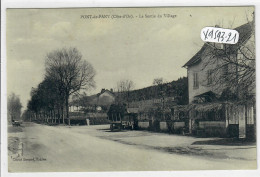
<point x="16" y="123"/>
<point x="122" y="118"/>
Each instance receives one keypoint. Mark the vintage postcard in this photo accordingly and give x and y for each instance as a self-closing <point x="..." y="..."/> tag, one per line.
<point x="131" y="89"/>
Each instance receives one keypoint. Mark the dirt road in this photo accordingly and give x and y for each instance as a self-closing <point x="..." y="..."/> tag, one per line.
<point x="41" y="148"/>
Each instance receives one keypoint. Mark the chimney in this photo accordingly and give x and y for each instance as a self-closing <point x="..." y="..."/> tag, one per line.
<point x="103" y="90"/>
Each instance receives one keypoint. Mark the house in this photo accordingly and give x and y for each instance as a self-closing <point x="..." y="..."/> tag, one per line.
<point x="210" y="69"/>
<point x="105" y="97"/>
<point x="221" y="87"/>
<point x="75" y="108"/>
<point x="93" y="103"/>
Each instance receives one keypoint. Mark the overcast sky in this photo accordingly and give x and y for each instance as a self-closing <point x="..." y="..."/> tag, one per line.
<point x="139" y="49"/>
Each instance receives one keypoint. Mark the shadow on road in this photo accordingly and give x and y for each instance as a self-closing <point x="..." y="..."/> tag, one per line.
<point x="113" y="131"/>
<point x="12" y="129"/>
<point x="103" y="129"/>
<point x="226" y="142"/>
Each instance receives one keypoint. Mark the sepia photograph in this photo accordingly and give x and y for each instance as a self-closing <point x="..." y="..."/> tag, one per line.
<point x="120" y="89"/>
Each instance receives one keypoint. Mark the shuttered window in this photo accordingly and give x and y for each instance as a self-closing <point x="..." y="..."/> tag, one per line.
<point x="209" y="76"/>
<point x="225" y="72"/>
<point x="195" y="80"/>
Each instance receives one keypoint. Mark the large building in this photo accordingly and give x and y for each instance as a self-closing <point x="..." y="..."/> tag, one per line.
<point x="221" y="84"/>
<point x="94" y="102"/>
<point x="214" y="67"/>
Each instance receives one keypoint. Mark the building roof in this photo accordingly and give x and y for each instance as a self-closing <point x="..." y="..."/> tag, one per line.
<point x="97" y="99"/>
<point x="183" y="108"/>
<point x="103" y="91"/>
<point x="208" y="96"/>
<point x="207" y="107"/>
<point x="197" y="57"/>
<point x="245" y="32"/>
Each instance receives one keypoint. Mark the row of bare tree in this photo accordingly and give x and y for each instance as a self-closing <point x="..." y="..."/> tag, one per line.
<point x="66" y="73"/>
<point x="14" y="107"/>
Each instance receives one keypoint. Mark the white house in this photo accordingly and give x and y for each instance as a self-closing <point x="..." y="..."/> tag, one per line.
<point x="213" y="70"/>
<point x="209" y="74"/>
<point x="105" y="97"/>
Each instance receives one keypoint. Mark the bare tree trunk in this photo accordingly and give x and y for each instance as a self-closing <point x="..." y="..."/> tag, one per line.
<point x="62" y="114"/>
<point x="54" y="116"/>
<point x="51" y="115"/>
<point x="59" y="115"/>
<point x="67" y="108"/>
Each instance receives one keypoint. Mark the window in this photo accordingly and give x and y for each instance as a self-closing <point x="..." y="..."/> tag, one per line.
<point x="225" y="72"/>
<point x="225" y="69"/>
<point x="209" y="76"/>
<point x="195" y="80"/>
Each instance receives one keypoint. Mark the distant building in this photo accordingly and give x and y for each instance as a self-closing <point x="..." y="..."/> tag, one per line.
<point x="75" y="108"/>
<point x="105" y="98"/>
<point x="94" y="103"/>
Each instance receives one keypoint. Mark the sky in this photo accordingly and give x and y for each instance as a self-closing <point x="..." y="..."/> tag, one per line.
<point x="139" y="49"/>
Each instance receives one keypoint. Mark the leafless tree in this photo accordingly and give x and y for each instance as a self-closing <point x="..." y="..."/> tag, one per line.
<point x="124" y="87"/>
<point x="161" y="92"/>
<point x="158" y="81"/>
<point x="14" y="107"/>
<point x="71" y="72"/>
